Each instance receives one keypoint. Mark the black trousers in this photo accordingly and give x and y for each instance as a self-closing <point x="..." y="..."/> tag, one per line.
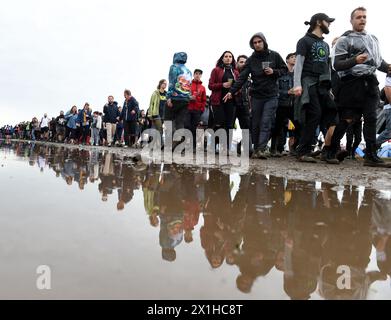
<point x="316" y="113"/>
<point x="130" y="132"/>
<point x="176" y="114"/>
<point x="358" y="97"/>
<point x="85" y="130"/>
<point x="353" y="136"/>
<point x="224" y="118"/>
<point x="192" y="120"/>
<point x="365" y="108"/>
<point x="242" y="113"/>
<point x="279" y="133"/>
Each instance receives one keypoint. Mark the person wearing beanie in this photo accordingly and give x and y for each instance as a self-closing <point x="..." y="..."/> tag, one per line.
<point x="312" y="85"/>
<point x="265" y="67"/>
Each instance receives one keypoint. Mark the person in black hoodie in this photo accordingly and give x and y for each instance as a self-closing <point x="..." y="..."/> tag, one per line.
<point x="265" y="67"/>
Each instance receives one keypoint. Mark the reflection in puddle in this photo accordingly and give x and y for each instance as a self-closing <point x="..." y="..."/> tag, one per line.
<point x="313" y="240"/>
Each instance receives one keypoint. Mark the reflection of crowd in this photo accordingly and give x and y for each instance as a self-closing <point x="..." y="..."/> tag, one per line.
<point x="304" y="230"/>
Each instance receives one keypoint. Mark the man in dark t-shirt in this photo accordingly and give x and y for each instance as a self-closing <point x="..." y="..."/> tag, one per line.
<point x="312" y="83"/>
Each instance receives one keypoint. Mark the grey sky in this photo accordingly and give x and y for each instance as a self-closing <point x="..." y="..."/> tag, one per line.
<point x="55" y="54"/>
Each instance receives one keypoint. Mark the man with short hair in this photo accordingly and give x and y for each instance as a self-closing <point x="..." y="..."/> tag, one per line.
<point x="129" y="116"/>
<point x="356" y="58"/>
<point x="197" y="104"/>
<point x="312" y="83"/>
<point x="44" y="125"/>
<point x="84" y="119"/>
<point x="111" y="118"/>
<point x="285" y="111"/>
<point x="265" y="67"/>
<point x="242" y="101"/>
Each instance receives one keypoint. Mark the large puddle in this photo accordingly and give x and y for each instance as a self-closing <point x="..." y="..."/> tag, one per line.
<point x="110" y="229"/>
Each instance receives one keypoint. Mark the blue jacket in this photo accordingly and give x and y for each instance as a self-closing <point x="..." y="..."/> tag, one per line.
<point x="129" y="106"/>
<point x="111" y="112"/>
<point x="285" y="83"/>
<point x="71" y="119"/>
<point x="180" y="76"/>
<point x="81" y="116"/>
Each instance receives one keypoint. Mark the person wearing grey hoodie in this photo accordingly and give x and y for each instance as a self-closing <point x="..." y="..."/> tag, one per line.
<point x="265" y="67"/>
<point x="356" y="59"/>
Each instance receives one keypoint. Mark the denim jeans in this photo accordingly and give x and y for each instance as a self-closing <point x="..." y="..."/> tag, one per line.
<point x="386" y="134"/>
<point x="263" y="116"/>
<point x="95" y="136"/>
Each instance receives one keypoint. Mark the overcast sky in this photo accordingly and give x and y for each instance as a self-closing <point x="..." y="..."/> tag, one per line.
<point x="57" y="53"/>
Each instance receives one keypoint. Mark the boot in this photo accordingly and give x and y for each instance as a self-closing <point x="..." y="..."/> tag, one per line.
<point x="331" y="155"/>
<point x="372" y="160"/>
<point x="324" y="152"/>
<point x="306" y="158"/>
<point x="342" y="155"/>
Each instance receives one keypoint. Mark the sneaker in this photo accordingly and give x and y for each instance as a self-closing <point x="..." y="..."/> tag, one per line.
<point x="332" y="160"/>
<point x="323" y="154"/>
<point x="342" y="155"/>
<point x="330" y="155"/>
<point x="276" y="154"/>
<point x="293" y="153"/>
<point x="263" y="155"/>
<point x="316" y="153"/>
<point x="255" y="154"/>
<point x="375" y="161"/>
<point x="306" y="158"/>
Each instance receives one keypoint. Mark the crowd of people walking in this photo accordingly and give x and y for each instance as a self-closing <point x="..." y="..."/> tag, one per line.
<point x="316" y="90"/>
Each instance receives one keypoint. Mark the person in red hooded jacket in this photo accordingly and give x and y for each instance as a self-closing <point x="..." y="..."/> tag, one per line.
<point x="197" y="104"/>
<point x="220" y="82"/>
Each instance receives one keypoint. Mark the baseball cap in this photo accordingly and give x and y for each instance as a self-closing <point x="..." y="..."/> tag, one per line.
<point x="319" y="17"/>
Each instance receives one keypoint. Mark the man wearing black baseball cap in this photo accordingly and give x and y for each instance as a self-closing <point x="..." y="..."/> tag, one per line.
<point x="312" y="84"/>
<point x="319" y="17"/>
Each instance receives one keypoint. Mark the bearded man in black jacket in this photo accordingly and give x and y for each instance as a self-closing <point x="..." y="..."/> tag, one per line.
<point x="265" y="67"/>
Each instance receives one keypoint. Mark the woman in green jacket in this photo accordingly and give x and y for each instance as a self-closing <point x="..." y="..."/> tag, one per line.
<point x="156" y="106"/>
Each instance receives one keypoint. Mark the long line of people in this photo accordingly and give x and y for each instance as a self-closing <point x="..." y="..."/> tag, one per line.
<point x="315" y="90"/>
<point x="260" y="224"/>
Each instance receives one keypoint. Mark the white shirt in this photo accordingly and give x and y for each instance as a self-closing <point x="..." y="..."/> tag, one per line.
<point x="45" y="122"/>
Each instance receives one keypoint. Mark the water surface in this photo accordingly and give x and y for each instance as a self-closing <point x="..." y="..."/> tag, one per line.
<point x="112" y="229"/>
